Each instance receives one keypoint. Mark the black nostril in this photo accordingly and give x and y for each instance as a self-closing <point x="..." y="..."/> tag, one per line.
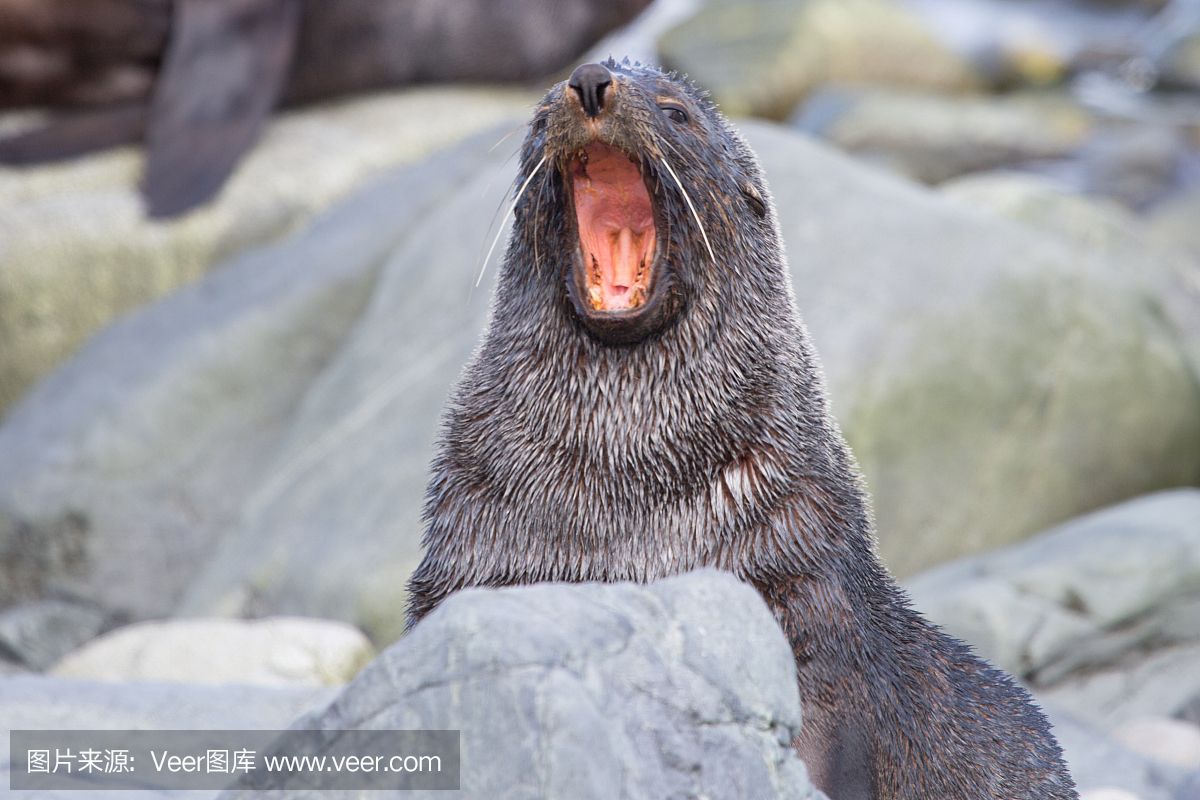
<point x="591" y="82"/>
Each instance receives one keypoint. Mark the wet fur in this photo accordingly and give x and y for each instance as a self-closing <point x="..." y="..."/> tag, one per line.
<point x="707" y="443"/>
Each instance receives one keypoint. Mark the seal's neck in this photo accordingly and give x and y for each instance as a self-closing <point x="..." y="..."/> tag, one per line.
<point x="573" y="460"/>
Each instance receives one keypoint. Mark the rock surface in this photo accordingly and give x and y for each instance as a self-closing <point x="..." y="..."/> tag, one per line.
<point x="1158" y="256"/>
<point x="1104" y="769"/>
<point x="1161" y="682"/>
<point x="1174" y="224"/>
<point x="990" y="382"/>
<point x="1083" y="594"/>
<point x="122" y="470"/>
<point x="279" y="651"/>
<point x="36" y="702"/>
<point x="1135" y="165"/>
<point x="76" y="251"/>
<point x="763" y="57"/>
<point x="37" y="634"/>
<point x="683" y="688"/>
<point x="1050" y="206"/>
<point x="1170" y="741"/>
<point x="1180" y="63"/>
<point x="1042" y="43"/>
<point x="934" y="137"/>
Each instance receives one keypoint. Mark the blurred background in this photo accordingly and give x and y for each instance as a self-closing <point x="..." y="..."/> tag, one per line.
<point x="238" y="244"/>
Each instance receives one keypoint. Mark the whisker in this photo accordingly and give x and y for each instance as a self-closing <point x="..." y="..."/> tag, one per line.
<point x="513" y="207"/>
<point x="492" y="179"/>
<point x="537" y="213"/>
<point x="505" y="137"/>
<point x="496" y="213"/>
<point x="691" y="207"/>
<point x="672" y="147"/>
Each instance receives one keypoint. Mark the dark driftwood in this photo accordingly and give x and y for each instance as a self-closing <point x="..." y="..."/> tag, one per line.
<point x="196" y="79"/>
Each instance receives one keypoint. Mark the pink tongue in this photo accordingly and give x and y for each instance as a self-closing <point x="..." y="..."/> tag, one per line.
<point x="616" y="224"/>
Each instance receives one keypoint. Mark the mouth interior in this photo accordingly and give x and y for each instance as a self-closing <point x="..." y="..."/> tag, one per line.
<point x="616" y="228"/>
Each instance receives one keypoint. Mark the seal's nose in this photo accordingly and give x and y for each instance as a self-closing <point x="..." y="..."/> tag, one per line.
<point x="591" y="82"/>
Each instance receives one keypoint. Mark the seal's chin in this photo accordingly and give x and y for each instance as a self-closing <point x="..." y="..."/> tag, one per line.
<point x="615" y="277"/>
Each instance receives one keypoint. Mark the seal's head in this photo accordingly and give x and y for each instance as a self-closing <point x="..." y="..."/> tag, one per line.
<point x="633" y="181"/>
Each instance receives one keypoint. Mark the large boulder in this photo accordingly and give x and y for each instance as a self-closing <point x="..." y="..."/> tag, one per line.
<point x="121" y="471"/>
<point x="1091" y="592"/>
<point x="934" y="137"/>
<point x="277" y="651"/>
<point x="1179" y="64"/>
<point x="1155" y="254"/>
<point x="992" y="380"/>
<point x="763" y="57"/>
<point x="34" y="635"/>
<point x="1043" y="43"/>
<point x="39" y="703"/>
<point x="1159" y="682"/>
<point x="1104" y="769"/>
<point x="1053" y="207"/>
<point x="1174" y="224"/>
<point x="333" y="529"/>
<point x="76" y="250"/>
<point x="683" y="688"/>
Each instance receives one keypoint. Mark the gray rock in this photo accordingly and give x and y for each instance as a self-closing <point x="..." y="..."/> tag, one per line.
<point x="763" y="57"/>
<point x="683" y="688"/>
<point x="9" y="667"/>
<point x="969" y="406"/>
<point x="1189" y="711"/>
<point x="1162" y="739"/>
<point x="1098" y="762"/>
<point x="39" y="633"/>
<point x="76" y="251"/>
<point x="278" y="651"/>
<point x="1136" y="165"/>
<point x="1083" y="594"/>
<point x="934" y="137"/>
<point x="1179" y="65"/>
<point x="35" y="702"/>
<point x="1189" y="789"/>
<point x="1174" y="224"/>
<point x="1052" y="207"/>
<point x="1163" y="682"/>
<point x="1042" y="43"/>
<point x="1155" y="256"/>
<point x="120" y="471"/>
<point x="39" y="702"/>
<point x="357" y="450"/>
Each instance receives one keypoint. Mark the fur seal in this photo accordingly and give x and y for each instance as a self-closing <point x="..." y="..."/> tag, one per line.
<point x="197" y="79"/>
<point x="646" y="401"/>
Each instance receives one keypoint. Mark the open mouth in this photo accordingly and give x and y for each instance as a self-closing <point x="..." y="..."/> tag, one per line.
<point x="615" y="220"/>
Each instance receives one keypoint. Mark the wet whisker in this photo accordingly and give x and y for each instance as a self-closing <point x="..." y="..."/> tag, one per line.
<point x="511" y="209"/>
<point x="695" y="215"/>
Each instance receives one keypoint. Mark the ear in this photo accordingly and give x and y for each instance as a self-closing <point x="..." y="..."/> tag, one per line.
<point x="754" y="199"/>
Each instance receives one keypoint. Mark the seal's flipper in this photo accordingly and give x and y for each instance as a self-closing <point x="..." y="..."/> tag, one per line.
<point x="225" y="69"/>
<point x="76" y="135"/>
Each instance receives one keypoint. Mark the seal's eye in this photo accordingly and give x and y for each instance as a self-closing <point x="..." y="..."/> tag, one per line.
<point x="676" y="113"/>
